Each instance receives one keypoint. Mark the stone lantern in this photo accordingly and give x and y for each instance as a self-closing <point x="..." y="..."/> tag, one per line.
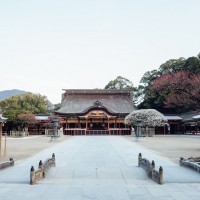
<point x="138" y="127"/>
<point x="55" y="127"/>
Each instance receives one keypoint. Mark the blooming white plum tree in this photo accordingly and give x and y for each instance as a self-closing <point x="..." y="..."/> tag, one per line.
<point x="149" y="118"/>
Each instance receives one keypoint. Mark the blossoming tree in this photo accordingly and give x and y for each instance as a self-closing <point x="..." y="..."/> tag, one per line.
<point x="180" y="90"/>
<point x="148" y="117"/>
<point x="25" y="120"/>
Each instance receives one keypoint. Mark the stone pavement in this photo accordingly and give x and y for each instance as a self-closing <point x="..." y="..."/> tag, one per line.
<point x="99" y="168"/>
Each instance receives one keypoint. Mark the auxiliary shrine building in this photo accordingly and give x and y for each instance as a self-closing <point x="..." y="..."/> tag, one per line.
<point x="96" y="111"/>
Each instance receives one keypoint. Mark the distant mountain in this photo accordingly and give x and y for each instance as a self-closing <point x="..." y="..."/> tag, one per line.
<point x="8" y="93"/>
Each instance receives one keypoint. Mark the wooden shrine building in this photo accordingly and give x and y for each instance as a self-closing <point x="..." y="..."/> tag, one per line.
<point x="95" y="111"/>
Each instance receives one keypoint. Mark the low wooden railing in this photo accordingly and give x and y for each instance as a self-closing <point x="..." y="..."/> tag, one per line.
<point x="49" y="132"/>
<point x="19" y="133"/>
<point x="75" y="131"/>
<point x="120" y="131"/>
<point x="39" y="174"/>
<point x="156" y="175"/>
<point x="111" y="131"/>
<point x="97" y="132"/>
<point x="193" y="163"/>
<point x="6" y="164"/>
<point x="147" y="131"/>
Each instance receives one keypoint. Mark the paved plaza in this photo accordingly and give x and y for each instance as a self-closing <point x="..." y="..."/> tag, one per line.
<point x="99" y="168"/>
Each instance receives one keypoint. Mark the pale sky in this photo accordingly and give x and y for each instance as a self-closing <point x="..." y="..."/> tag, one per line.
<point x="50" y="45"/>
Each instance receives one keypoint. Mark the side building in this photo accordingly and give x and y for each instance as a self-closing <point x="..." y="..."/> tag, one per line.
<point x="183" y="123"/>
<point x="95" y="111"/>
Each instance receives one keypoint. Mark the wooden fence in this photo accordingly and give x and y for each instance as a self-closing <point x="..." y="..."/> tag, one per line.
<point x="156" y="175"/>
<point x="41" y="173"/>
<point x="147" y="131"/>
<point x="19" y="133"/>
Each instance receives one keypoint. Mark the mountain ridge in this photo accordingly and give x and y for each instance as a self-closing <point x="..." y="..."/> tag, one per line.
<point x="9" y="93"/>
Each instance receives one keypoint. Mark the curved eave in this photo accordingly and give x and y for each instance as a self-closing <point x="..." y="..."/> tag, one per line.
<point x="98" y="108"/>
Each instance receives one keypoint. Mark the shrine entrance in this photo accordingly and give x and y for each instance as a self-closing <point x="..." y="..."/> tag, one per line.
<point x="95" y="112"/>
<point x="96" y="122"/>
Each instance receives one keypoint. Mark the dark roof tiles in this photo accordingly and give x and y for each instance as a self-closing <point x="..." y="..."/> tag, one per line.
<point x="117" y="101"/>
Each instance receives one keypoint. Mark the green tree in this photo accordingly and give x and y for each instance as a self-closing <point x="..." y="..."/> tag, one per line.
<point x="120" y="83"/>
<point x="192" y="64"/>
<point x="56" y="106"/>
<point x="123" y="83"/>
<point x="145" y="83"/>
<point x="26" y="103"/>
<point x="172" y="66"/>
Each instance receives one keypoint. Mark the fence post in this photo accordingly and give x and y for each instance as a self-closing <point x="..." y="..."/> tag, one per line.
<point x="54" y="159"/>
<point x="160" y="175"/>
<point x="12" y="161"/>
<point x="153" y="164"/>
<point x="32" y="175"/>
<point x="139" y="158"/>
<point x="40" y="165"/>
<point x="152" y="167"/>
<point x="181" y="161"/>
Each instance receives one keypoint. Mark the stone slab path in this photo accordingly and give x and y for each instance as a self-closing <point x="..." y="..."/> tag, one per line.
<point x="99" y="168"/>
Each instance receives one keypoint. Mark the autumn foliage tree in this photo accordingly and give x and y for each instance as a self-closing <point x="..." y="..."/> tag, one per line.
<point x="180" y="90"/>
<point x="163" y="98"/>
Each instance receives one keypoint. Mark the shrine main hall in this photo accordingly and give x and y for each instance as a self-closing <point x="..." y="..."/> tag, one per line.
<point x="96" y="111"/>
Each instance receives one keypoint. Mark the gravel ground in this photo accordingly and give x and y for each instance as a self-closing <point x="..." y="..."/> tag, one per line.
<point x="171" y="146"/>
<point x="24" y="147"/>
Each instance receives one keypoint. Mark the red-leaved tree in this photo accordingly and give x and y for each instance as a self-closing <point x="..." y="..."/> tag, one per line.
<point x="181" y="90"/>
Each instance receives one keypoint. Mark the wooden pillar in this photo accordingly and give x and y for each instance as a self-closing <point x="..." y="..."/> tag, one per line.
<point x="38" y="128"/>
<point x="86" y="125"/>
<point x="5" y="145"/>
<point x="196" y="126"/>
<point x="115" y="122"/>
<point x="66" y="124"/>
<point x="79" y="125"/>
<point x="108" y="124"/>
<point x="0" y="137"/>
<point x="164" y="129"/>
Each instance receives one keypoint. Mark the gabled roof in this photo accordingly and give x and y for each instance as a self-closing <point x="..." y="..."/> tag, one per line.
<point x="184" y="117"/>
<point x="42" y="117"/>
<point x="196" y="117"/>
<point x="2" y="119"/>
<point x="173" y="117"/>
<point x="190" y="116"/>
<point x="81" y="101"/>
